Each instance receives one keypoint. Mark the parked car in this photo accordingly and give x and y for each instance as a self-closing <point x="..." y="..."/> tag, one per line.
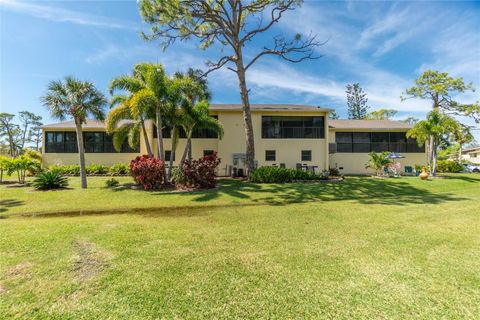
<point x="467" y="167"/>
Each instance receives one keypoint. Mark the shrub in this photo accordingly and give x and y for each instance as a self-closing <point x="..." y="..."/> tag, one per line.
<point x="334" y="172"/>
<point x="178" y="177"/>
<point x="71" y="170"/>
<point x="418" y="167"/>
<point x="199" y="174"/>
<point x="147" y="172"/>
<point x="448" y="166"/>
<point x="5" y="163"/>
<point x="21" y="165"/>
<point x="49" y="180"/>
<point x="32" y="154"/>
<point x="274" y="175"/>
<point x="96" y="169"/>
<point x="119" y="169"/>
<point x="302" y="175"/>
<point x="110" y="183"/>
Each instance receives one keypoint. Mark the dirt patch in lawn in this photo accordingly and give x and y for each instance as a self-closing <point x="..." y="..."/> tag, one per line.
<point x="89" y="260"/>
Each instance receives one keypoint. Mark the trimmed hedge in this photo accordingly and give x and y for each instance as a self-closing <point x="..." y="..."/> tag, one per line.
<point x="280" y="175"/>
<point x="92" y="169"/>
<point x="449" y="166"/>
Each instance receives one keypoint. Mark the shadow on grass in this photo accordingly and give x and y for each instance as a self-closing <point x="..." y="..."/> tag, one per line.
<point x="9" y="203"/>
<point x="475" y="177"/>
<point x="362" y="190"/>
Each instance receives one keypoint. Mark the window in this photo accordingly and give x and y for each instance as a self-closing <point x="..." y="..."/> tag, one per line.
<point x="207" y="152"/>
<point x="270" y="155"/>
<point x="364" y="142"/>
<point x="93" y="142"/>
<point x="198" y="133"/>
<point x="306" y="155"/>
<point x="282" y="127"/>
<point x="168" y="154"/>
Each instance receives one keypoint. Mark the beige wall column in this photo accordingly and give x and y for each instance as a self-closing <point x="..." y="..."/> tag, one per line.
<point x="327" y="131"/>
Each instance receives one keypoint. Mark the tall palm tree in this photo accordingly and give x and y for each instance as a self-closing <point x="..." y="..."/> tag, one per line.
<point x="197" y="117"/>
<point x="77" y="99"/>
<point x="436" y="126"/>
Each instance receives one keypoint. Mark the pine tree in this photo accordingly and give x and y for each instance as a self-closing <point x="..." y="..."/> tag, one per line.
<point x="356" y="101"/>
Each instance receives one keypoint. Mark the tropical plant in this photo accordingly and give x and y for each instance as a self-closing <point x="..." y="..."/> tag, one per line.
<point x="200" y="174"/>
<point x="21" y="165"/>
<point x="32" y="154"/>
<point x="436" y="126"/>
<point x="111" y="183"/>
<point x="449" y="166"/>
<point x="378" y="161"/>
<point x="50" y="180"/>
<point x="228" y="25"/>
<point x="76" y="99"/>
<point x="119" y="169"/>
<point x="147" y="172"/>
<point x="462" y="136"/>
<point x="96" y="169"/>
<point x="5" y="163"/>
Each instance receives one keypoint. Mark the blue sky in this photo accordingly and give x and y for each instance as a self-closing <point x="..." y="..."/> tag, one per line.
<point x="382" y="45"/>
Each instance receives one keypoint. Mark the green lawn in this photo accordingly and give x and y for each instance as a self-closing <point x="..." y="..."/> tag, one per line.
<point x="365" y="248"/>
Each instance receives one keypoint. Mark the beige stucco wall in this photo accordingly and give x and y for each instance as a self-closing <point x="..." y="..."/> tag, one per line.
<point x="470" y="157"/>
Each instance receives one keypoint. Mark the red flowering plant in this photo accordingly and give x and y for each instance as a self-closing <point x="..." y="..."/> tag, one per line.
<point x="199" y="174"/>
<point x="147" y="172"/>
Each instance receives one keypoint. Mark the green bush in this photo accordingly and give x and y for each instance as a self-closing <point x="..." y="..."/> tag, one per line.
<point x="96" y="169"/>
<point x="110" y="183"/>
<point x="280" y="175"/>
<point x="71" y="170"/>
<point x="50" y="180"/>
<point x="418" y="167"/>
<point x="302" y="175"/>
<point x="334" y="172"/>
<point x="449" y="166"/>
<point x="119" y="169"/>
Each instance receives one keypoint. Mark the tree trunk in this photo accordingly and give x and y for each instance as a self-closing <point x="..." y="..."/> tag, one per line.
<point x="172" y="153"/>
<point x="460" y="153"/>
<point x="434" y="158"/>
<point x="190" y="150"/>
<point x="81" y="154"/>
<point x="247" y="116"/>
<point x="145" y="137"/>
<point x="160" y="149"/>
<point x="430" y="151"/>
<point x="187" y="148"/>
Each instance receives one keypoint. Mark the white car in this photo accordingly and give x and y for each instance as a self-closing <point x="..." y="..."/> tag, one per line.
<point x="471" y="168"/>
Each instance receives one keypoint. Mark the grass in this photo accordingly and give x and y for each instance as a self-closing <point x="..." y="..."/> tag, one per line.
<point x="365" y="248"/>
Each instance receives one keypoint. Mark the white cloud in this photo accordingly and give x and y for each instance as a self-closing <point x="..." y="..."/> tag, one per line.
<point x="63" y="15"/>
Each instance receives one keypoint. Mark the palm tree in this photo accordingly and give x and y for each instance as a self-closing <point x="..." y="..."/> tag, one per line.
<point x="462" y="135"/>
<point x="197" y="117"/>
<point x="378" y="161"/>
<point x="433" y="129"/>
<point x="77" y="99"/>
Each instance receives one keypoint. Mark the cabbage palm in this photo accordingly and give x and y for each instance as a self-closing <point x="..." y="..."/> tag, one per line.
<point x="378" y="161"/>
<point x="73" y="98"/>
<point x="433" y="129"/>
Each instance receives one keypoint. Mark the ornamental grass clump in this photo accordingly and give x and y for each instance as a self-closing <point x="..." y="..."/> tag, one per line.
<point x="198" y="174"/>
<point x="148" y="172"/>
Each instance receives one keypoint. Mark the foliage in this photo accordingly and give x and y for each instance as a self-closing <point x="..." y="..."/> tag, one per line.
<point x="28" y="121"/>
<point x="199" y="174"/>
<point x="356" y="102"/>
<point x="449" y="166"/>
<point x="73" y="98"/>
<point x="281" y="175"/>
<point x="50" y="180"/>
<point x="21" y="165"/>
<point x="148" y="172"/>
<point x="11" y="132"/>
<point x="435" y="127"/>
<point x="333" y="115"/>
<point x="381" y="114"/>
<point x="178" y="177"/>
<point x="96" y="169"/>
<point x="410" y="120"/>
<point x="439" y="87"/>
<point x="5" y="163"/>
<point x="111" y="183"/>
<point x="32" y="154"/>
<point x="72" y="170"/>
<point x="119" y="169"/>
<point x="378" y="161"/>
<point x="334" y="172"/>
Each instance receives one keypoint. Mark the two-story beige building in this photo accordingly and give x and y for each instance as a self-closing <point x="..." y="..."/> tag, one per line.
<point x="285" y="135"/>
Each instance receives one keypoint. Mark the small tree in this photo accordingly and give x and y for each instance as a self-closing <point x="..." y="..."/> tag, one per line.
<point x="435" y="127"/>
<point x="356" y="101"/>
<point x="378" y="161"/>
<point x="333" y="115"/>
<point x="462" y="136"/>
<point x="381" y="114"/>
<point x="11" y="132"/>
<point x="230" y="25"/>
<point x="77" y="99"/>
<point x="28" y="120"/>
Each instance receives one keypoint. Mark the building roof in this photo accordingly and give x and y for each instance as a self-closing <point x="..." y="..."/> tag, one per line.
<point x="471" y="150"/>
<point x="369" y="124"/>
<point x="268" y="107"/>
<point x="89" y="124"/>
